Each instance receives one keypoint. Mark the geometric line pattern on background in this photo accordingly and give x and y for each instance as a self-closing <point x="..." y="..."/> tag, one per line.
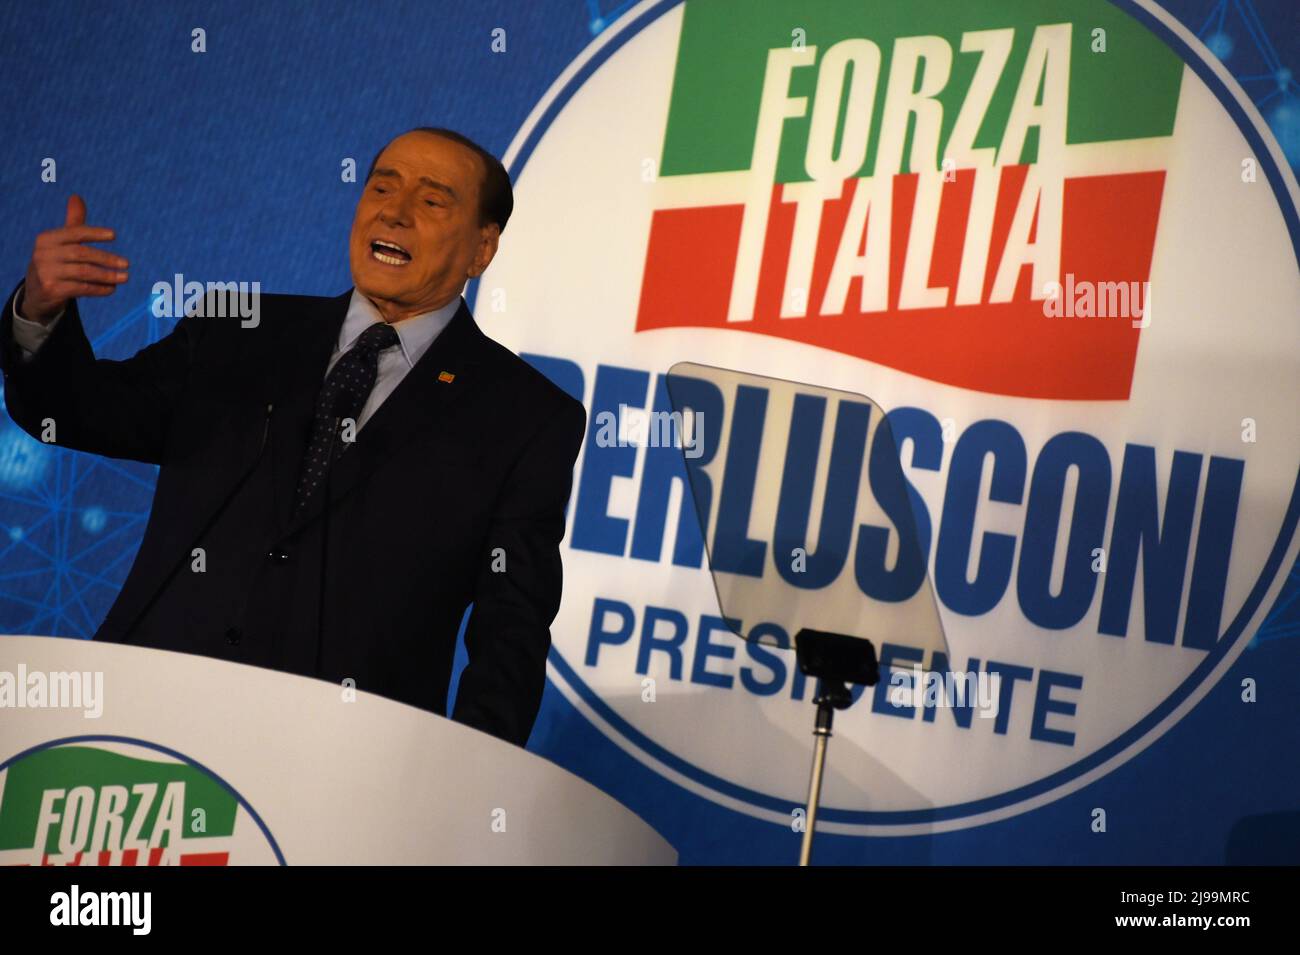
<point x="70" y="523"/>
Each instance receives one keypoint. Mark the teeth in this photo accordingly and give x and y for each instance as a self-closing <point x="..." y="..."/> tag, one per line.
<point x="388" y="259"/>
<point x="390" y="245"/>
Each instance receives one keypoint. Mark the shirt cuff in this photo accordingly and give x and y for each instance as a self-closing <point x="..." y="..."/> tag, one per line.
<point x="29" y="336"/>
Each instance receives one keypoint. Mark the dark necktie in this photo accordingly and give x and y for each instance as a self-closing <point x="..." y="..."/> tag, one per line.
<point x="343" y="395"/>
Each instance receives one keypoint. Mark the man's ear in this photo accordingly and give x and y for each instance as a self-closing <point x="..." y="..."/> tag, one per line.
<point x="489" y="236"/>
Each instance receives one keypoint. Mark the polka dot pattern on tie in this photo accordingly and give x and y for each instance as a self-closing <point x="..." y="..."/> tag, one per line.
<point x="342" y="397"/>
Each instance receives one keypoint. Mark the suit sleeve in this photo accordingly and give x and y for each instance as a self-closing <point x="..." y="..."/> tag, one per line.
<point x="120" y="409"/>
<point x="509" y="634"/>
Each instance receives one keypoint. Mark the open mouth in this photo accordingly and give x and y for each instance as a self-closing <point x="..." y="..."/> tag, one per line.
<point x="389" y="253"/>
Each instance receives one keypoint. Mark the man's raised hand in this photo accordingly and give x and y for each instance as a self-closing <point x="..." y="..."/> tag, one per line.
<point x="64" y="267"/>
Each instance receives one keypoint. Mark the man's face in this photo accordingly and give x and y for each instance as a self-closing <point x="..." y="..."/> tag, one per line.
<point x="423" y="198"/>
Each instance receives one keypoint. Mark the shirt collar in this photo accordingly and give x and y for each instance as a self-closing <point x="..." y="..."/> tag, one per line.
<point x="415" y="334"/>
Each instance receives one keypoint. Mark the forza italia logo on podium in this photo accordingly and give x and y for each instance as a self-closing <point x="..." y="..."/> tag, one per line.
<point x="123" y="803"/>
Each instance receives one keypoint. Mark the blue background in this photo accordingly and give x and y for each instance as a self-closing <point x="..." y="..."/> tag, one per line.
<point x="226" y="164"/>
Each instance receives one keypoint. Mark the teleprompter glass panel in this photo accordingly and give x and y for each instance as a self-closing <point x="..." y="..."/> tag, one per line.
<point x="805" y="512"/>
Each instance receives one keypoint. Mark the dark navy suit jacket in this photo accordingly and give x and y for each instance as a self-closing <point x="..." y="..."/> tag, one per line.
<point x="453" y="493"/>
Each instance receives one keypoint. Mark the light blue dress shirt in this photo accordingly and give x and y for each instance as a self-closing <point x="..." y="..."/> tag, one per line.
<point x="414" y="336"/>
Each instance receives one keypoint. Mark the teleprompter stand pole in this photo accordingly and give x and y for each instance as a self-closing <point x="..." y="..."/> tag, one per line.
<point x="836" y="660"/>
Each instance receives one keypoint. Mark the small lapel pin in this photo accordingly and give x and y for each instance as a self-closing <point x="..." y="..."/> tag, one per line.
<point x="446" y="377"/>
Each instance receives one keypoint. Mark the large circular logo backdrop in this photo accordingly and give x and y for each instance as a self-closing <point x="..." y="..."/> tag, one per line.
<point x="1063" y="256"/>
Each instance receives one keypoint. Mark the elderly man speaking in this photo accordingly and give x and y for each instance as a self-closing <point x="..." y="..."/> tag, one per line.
<point x="343" y="477"/>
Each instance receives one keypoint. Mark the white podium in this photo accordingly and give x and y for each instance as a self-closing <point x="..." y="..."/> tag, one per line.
<point x="156" y="758"/>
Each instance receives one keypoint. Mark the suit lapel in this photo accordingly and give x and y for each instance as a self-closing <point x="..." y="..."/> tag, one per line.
<point x="447" y="370"/>
<point x="302" y="353"/>
<point x="291" y="366"/>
